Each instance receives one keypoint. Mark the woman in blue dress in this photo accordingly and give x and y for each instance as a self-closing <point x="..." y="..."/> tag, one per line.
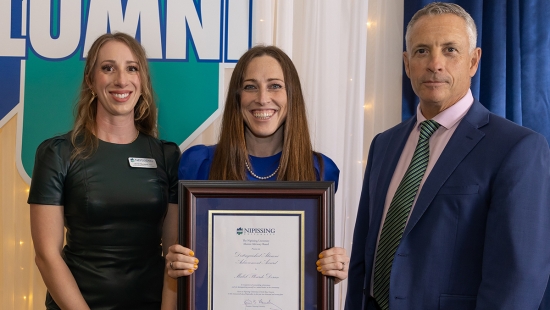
<point x="264" y="135"/>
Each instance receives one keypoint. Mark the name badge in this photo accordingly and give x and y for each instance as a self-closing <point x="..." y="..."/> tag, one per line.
<point x="137" y="162"/>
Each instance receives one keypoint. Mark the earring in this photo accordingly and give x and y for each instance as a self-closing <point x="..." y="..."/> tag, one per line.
<point x="93" y="97"/>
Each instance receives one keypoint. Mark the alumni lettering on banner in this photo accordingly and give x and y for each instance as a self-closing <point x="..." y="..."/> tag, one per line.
<point x="58" y="29"/>
<point x="43" y="43"/>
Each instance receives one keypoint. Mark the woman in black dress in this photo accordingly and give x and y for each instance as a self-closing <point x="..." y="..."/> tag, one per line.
<point x="113" y="185"/>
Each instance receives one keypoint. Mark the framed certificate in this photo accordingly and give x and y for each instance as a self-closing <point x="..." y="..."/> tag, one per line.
<point x="257" y="243"/>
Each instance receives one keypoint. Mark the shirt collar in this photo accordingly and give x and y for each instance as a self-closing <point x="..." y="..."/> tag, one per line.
<point x="451" y="116"/>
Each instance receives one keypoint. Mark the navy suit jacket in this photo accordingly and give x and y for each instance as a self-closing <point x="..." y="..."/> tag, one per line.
<point x="478" y="236"/>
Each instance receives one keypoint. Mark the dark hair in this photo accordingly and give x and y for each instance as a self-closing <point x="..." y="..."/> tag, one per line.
<point x="231" y="154"/>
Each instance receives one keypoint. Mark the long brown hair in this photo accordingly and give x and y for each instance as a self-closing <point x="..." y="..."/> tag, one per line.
<point x="145" y="111"/>
<point x="231" y="154"/>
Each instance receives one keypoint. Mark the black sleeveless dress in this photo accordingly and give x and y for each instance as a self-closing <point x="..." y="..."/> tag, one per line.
<point x="113" y="214"/>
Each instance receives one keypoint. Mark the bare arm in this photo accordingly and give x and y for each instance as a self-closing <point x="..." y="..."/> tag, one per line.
<point x="47" y="235"/>
<point x="169" y="236"/>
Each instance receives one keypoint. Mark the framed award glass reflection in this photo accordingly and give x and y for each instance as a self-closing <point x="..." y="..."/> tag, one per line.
<point x="257" y="243"/>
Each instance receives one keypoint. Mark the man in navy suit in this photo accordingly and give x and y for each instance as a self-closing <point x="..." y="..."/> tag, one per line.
<point x="476" y="235"/>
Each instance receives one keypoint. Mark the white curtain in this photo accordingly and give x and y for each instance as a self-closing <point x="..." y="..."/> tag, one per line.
<point x="330" y="53"/>
<point x="348" y="55"/>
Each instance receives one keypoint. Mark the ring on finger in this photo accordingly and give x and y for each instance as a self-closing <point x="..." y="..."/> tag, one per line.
<point x="343" y="266"/>
<point x="171" y="266"/>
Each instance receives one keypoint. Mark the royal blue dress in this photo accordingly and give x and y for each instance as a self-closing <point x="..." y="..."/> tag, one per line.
<point x="195" y="164"/>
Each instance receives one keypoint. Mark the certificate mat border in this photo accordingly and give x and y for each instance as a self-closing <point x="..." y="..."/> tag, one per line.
<point x="320" y="191"/>
<point x="253" y="212"/>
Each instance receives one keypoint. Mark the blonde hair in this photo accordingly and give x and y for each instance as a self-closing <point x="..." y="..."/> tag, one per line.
<point x="145" y="112"/>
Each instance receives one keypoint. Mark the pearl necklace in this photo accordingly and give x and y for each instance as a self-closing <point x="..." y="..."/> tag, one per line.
<point x="258" y="177"/>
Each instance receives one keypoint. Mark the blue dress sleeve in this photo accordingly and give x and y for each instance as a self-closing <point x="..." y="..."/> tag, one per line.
<point x="195" y="162"/>
<point x="330" y="170"/>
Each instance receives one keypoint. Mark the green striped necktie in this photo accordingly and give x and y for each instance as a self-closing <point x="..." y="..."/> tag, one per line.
<point x="398" y="213"/>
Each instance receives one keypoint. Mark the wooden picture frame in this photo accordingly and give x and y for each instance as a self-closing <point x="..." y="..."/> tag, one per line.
<point x="205" y="205"/>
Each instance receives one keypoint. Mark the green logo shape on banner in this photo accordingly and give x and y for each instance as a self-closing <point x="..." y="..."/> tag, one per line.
<point x="186" y="78"/>
<point x="186" y="92"/>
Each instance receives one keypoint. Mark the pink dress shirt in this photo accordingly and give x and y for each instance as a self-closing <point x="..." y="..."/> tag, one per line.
<point x="449" y="120"/>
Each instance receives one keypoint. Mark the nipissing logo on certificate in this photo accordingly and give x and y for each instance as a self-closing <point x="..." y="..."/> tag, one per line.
<point x="252" y="238"/>
<point x="256" y="267"/>
<point x="255" y="231"/>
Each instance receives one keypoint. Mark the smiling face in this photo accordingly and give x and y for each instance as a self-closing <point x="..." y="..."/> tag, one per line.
<point x="116" y="80"/>
<point x="439" y="62"/>
<point x="264" y="98"/>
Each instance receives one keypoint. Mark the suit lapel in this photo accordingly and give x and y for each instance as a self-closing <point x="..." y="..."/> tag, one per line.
<point x="463" y="140"/>
<point x="390" y="155"/>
